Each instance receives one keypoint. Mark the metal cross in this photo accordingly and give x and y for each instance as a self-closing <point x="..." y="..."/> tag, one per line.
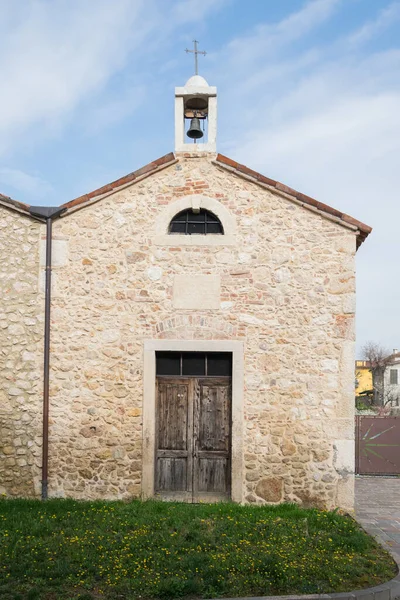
<point x="196" y="52"/>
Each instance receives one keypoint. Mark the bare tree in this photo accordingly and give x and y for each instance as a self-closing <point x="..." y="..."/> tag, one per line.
<point x="390" y="397"/>
<point x="377" y="359"/>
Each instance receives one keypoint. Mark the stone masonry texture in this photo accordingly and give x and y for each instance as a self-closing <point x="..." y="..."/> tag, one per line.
<point x="287" y="292"/>
<point x="21" y="344"/>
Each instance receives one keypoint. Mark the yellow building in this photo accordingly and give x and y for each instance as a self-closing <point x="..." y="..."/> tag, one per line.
<point x="363" y="376"/>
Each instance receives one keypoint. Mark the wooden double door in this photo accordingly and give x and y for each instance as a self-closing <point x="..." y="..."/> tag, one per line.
<point x="193" y="438"/>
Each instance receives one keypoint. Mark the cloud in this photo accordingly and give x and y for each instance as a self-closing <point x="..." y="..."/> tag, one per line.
<point x="268" y="39"/>
<point x="58" y="56"/>
<point x="58" y="53"/>
<point x="23" y="182"/>
<point x="114" y="109"/>
<point x="189" y="10"/>
<point x="386" y="18"/>
<point x="322" y="116"/>
<point x="305" y="111"/>
<point x="326" y="117"/>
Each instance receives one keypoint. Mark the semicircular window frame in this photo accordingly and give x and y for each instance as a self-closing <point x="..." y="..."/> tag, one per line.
<point x="195" y="222"/>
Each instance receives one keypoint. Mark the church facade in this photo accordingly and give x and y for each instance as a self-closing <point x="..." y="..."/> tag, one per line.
<point x="202" y="336"/>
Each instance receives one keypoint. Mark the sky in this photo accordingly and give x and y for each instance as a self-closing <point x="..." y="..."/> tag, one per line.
<point x="308" y="94"/>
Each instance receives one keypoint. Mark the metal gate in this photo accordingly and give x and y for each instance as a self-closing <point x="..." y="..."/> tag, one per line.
<point x="377" y="445"/>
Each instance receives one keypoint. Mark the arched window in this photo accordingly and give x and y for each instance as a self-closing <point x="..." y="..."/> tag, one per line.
<point x="189" y="222"/>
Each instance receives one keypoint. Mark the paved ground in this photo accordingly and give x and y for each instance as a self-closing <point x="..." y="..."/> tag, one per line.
<point x="378" y="510"/>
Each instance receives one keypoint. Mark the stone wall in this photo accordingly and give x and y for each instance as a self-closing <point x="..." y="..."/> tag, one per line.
<point x="287" y="290"/>
<point x="21" y="351"/>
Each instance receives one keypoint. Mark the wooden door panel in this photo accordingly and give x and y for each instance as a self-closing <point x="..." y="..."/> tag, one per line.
<point x="213" y="475"/>
<point x="172" y="416"/>
<point x="174" y="449"/>
<point x="193" y="427"/>
<point x="214" y="417"/>
<point x="211" y="422"/>
<point x="171" y="474"/>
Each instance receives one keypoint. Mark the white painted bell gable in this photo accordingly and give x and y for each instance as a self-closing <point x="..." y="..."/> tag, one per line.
<point x="195" y="87"/>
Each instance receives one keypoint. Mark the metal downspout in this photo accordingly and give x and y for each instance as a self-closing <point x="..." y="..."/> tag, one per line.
<point x="48" y="213"/>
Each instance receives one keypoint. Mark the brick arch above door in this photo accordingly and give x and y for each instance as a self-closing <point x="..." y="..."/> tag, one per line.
<point x="197" y="327"/>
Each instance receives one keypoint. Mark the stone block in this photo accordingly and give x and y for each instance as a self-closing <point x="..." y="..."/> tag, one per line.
<point x="270" y="489"/>
<point x="196" y="292"/>
<point x="343" y="456"/>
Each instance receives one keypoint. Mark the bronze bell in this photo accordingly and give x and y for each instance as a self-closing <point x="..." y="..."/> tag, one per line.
<point x="194" y="130"/>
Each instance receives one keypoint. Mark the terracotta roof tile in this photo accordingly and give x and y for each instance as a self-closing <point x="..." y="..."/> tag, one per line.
<point x="363" y="229"/>
<point x="223" y="161"/>
<point x="109" y="187"/>
<point x="20" y="206"/>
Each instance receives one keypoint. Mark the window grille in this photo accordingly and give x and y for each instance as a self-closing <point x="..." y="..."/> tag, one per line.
<point x="189" y="222"/>
<point x="191" y="364"/>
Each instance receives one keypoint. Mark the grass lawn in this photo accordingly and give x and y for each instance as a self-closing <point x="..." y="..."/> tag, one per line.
<point x="64" y="549"/>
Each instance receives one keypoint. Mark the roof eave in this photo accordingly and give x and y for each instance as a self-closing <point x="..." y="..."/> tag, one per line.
<point x="362" y="230"/>
<point x="15" y="205"/>
<point x="157" y="165"/>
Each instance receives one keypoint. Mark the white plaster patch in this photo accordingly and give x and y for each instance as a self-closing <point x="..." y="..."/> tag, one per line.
<point x="281" y="256"/>
<point x="332" y="382"/>
<point x="298" y="414"/>
<point x="21" y="286"/>
<point x="349" y="303"/>
<point x="110" y="335"/>
<point x="253" y="381"/>
<point x="59" y="253"/>
<point x="42" y="282"/>
<point x="196" y="202"/>
<point x="328" y="402"/>
<point x="16" y="329"/>
<point x="154" y="273"/>
<point x="329" y="365"/>
<point x="196" y="291"/>
<point x="322" y="319"/>
<point x="226" y="305"/>
<point x="282" y="275"/>
<point x="14" y="391"/>
<point x="250" y="320"/>
<point x="347" y="357"/>
<point x="225" y="257"/>
<point x="344" y="455"/>
<point x="119" y="220"/>
<point x="29" y="321"/>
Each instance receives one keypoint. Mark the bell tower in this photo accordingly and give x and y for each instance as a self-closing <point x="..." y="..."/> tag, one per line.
<point x="196" y="114"/>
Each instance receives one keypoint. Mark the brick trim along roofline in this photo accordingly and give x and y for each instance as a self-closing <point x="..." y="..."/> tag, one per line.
<point x="149" y="169"/>
<point x="14" y="204"/>
<point x="363" y="230"/>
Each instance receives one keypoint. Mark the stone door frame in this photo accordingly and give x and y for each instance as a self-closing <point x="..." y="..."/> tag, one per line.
<point x="149" y="406"/>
